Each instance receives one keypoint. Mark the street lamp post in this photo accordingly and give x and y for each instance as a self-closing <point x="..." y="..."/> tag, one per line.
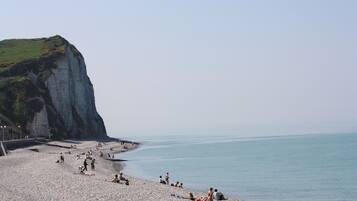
<point x="6" y="133"/>
<point x="49" y="133"/>
<point x="3" y="132"/>
<point x="19" y="130"/>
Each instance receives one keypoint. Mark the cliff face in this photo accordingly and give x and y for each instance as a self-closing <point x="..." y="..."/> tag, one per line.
<point x="45" y="88"/>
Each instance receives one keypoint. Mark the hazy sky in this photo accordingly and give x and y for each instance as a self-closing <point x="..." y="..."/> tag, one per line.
<point x="254" y="67"/>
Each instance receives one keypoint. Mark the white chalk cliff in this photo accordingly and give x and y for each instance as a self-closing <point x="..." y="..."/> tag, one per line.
<point x="72" y="95"/>
<point x="56" y="93"/>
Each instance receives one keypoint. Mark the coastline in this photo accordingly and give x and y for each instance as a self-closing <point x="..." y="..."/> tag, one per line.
<point x="31" y="173"/>
<point x="119" y="164"/>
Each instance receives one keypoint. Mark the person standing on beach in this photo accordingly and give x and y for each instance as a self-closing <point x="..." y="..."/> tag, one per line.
<point x="210" y="194"/>
<point x="167" y="178"/>
<point x="62" y="158"/>
<point x="92" y="164"/>
<point x="85" y="164"/>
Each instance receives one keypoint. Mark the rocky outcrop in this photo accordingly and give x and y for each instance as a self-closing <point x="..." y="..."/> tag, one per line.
<point x="49" y="92"/>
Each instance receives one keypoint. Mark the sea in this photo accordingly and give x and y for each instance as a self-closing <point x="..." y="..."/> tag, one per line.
<point x="319" y="167"/>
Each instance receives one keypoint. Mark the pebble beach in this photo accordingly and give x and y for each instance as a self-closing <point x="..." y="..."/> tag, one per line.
<point x="33" y="174"/>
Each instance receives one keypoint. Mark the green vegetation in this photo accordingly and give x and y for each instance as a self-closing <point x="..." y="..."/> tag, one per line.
<point x="20" y="97"/>
<point x="25" y="65"/>
<point x="17" y="50"/>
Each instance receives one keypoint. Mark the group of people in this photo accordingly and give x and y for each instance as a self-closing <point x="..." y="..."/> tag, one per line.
<point x="167" y="181"/>
<point x="89" y="157"/>
<point x="84" y="167"/>
<point x="120" y="178"/>
<point x="211" y="196"/>
<point x="178" y="184"/>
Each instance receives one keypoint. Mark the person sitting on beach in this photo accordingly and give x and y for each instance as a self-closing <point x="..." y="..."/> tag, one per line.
<point x="81" y="170"/>
<point x="200" y="199"/>
<point x="173" y="185"/>
<point x="181" y="185"/>
<point x="177" y="184"/>
<point x="127" y="182"/>
<point x="218" y="195"/>
<point x="167" y="178"/>
<point x="116" y="179"/>
<point x="161" y="180"/>
<point x="121" y="177"/>
<point x="191" y="197"/>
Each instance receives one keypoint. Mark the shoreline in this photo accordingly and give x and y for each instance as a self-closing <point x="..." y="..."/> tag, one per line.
<point x="32" y="174"/>
<point x="193" y="187"/>
<point x="119" y="164"/>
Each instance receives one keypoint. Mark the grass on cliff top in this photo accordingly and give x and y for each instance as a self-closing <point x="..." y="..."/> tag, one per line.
<point x="17" y="50"/>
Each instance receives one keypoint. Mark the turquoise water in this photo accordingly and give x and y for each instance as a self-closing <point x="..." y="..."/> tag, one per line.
<point x="306" y="167"/>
